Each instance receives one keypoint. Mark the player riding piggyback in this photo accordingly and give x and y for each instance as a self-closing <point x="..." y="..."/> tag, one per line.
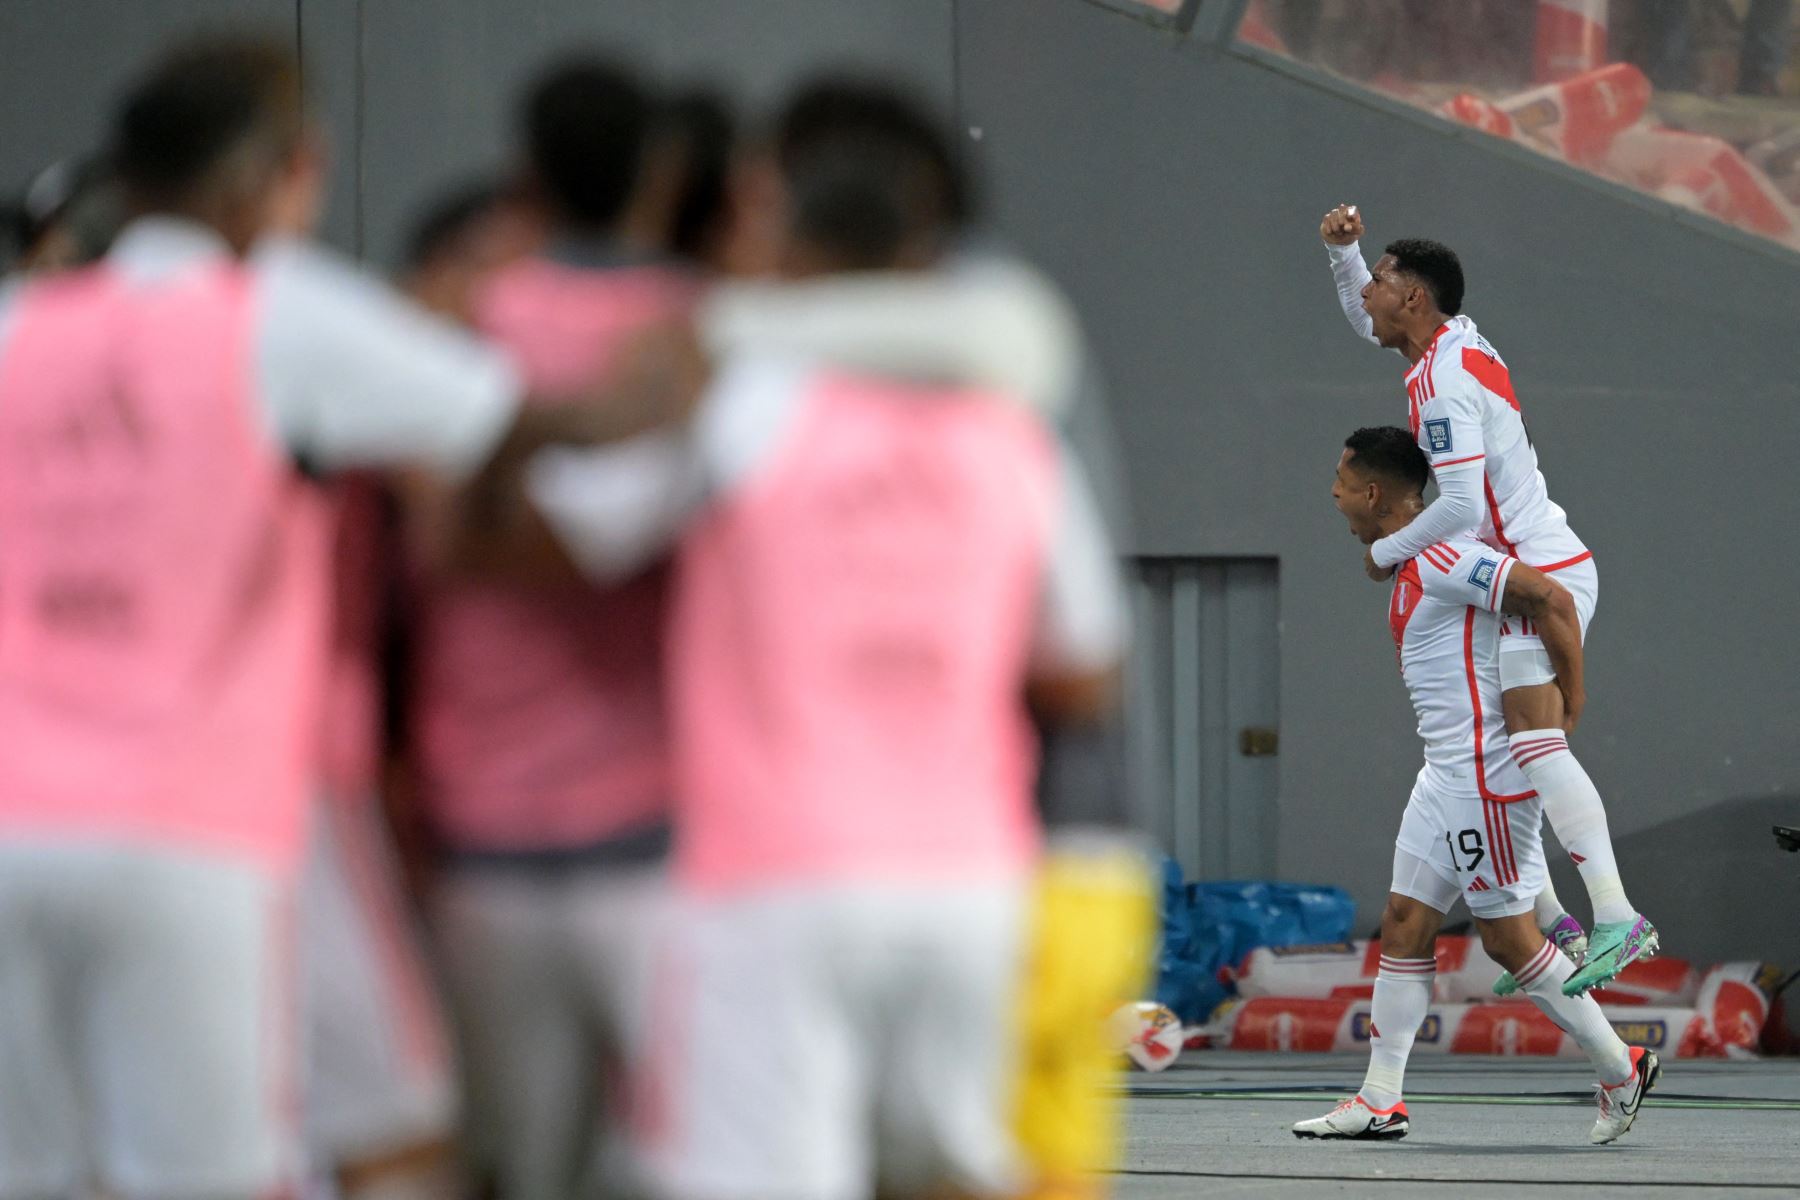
<point x="1466" y="417"/>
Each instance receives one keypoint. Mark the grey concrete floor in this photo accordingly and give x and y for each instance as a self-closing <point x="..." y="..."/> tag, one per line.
<point x="1216" y="1125"/>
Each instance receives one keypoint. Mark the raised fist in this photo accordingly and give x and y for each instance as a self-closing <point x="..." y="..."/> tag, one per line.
<point x="1342" y="225"/>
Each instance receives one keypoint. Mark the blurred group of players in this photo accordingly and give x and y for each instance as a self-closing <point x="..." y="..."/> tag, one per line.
<point x="627" y="708"/>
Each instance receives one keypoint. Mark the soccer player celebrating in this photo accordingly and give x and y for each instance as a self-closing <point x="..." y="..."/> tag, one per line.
<point x="1472" y="825"/>
<point x="163" y="587"/>
<point x="875" y="573"/>
<point x="540" y="735"/>
<point x="1462" y="410"/>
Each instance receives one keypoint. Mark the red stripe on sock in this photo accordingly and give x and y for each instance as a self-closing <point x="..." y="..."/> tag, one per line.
<point x="1533" y="753"/>
<point x="1540" y="962"/>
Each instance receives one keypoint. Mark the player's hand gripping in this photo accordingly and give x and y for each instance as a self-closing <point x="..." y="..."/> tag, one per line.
<point x="1378" y="573"/>
<point x="1342" y="226"/>
<point x="1574" y="700"/>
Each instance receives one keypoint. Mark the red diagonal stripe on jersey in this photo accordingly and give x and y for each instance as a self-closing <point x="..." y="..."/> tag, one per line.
<point x="1493" y="504"/>
<point x="1479" y="724"/>
<point x="1567" y="562"/>
<point x="1438" y="562"/>
<point x="1457" y="462"/>
<point x="1491" y="374"/>
<point x="1407" y="590"/>
<point x="1578" y="859"/>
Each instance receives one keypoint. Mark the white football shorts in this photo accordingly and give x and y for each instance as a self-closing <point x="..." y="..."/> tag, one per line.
<point x="836" y="1040"/>
<point x="1490" y="854"/>
<point x="378" y="1072"/>
<point x="1523" y="659"/>
<point x="546" y="969"/>
<point x="147" y="1022"/>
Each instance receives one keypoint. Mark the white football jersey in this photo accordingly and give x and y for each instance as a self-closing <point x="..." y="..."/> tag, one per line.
<point x="1461" y="407"/>
<point x="1444" y="617"/>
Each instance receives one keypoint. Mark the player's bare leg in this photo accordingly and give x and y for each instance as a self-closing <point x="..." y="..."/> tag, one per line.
<point x="1535" y="716"/>
<point x="1625" y="1075"/>
<point x="1409" y="930"/>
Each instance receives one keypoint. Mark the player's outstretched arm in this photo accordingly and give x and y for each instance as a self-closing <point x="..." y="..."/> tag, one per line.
<point x="1551" y="610"/>
<point x="1341" y="229"/>
<point x="1456" y="510"/>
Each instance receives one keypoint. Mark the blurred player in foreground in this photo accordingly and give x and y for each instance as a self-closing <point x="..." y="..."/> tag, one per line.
<point x="981" y="319"/>
<point x="380" y="1097"/>
<point x="163" y="585"/>
<point x="1457" y="838"/>
<point x="539" y="698"/>
<point x="873" y="574"/>
<point x="1462" y="410"/>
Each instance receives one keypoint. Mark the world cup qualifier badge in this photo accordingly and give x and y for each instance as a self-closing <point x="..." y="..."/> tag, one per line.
<point x="1483" y="574"/>
<point x="1437" y="435"/>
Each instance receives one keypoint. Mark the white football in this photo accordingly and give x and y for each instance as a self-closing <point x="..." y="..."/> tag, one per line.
<point x="1148" y="1034"/>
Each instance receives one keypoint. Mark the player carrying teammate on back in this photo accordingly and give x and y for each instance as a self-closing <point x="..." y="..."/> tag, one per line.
<point x="1462" y="410"/>
<point x="1472" y="827"/>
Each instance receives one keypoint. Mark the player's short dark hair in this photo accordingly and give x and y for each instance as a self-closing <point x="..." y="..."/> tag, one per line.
<point x="699" y="123"/>
<point x="1389" y="453"/>
<point x="449" y="218"/>
<point x="587" y="123"/>
<point x="867" y="168"/>
<point x="198" y="106"/>
<point x="1436" y="266"/>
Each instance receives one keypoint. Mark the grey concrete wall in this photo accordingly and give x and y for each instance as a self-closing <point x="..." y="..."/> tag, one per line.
<point x="437" y="93"/>
<point x="63" y="61"/>
<point x="1175" y="191"/>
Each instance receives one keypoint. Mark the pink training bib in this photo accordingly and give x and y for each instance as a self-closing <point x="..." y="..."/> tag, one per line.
<point x="162" y="574"/>
<point x="351" y="720"/>
<point x="850" y="646"/>
<point x="541" y="722"/>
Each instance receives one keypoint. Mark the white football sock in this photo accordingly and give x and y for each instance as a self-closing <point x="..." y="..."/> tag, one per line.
<point x="1548" y="909"/>
<point x="1402" y="994"/>
<point x="1573" y="807"/>
<point x="1542" y="978"/>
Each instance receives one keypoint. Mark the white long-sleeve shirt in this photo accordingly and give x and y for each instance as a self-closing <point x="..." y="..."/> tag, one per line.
<point x="1462" y="409"/>
<point x="348" y="373"/>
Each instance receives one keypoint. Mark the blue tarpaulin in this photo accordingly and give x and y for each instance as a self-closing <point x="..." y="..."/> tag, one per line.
<point x="1207" y="926"/>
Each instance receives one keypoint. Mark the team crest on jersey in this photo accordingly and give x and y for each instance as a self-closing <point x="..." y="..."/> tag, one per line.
<point x="1437" y="435"/>
<point x="1483" y="574"/>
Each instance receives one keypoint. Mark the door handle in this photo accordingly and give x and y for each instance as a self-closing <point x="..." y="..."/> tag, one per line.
<point x="1258" y="742"/>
